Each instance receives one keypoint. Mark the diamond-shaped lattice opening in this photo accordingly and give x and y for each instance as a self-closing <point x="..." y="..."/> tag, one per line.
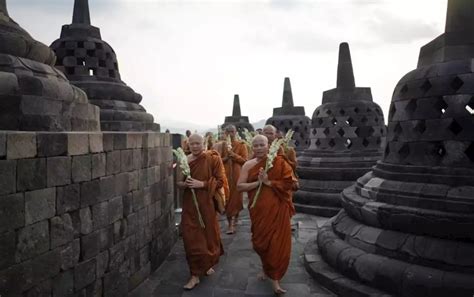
<point x="420" y="127"/>
<point x="320" y="121"/>
<point x="365" y="142"/>
<point x="470" y="152"/>
<point x="426" y="86"/>
<point x="387" y="150"/>
<point x="376" y="119"/>
<point x="342" y="112"/>
<point x="81" y="61"/>
<point x="392" y="111"/>
<point x="341" y="132"/>
<point x="357" y="131"/>
<point x="332" y="143"/>
<point x="404" y="151"/>
<point x="364" y="119"/>
<point x="291" y="123"/>
<point x="371" y="131"/>
<point x="398" y="129"/>
<point x="379" y="141"/>
<point x="301" y="123"/>
<point x="318" y="142"/>
<point x="457" y="83"/>
<point x="334" y="121"/>
<point x="297" y="142"/>
<point x="313" y="132"/>
<point x="348" y="143"/>
<point x="80" y="44"/>
<point x="470" y="106"/>
<point x="378" y="111"/>
<point x="369" y="110"/>
<point x="329" y="112"/>
<point x="326" y="131"/>
<point x="70" y="52"/>
<point x="404" y="89"/>
<point x="356" y="110"/>
<point x="317" y="112"/>
<point x="297" y="129"/>
<point x="349" y="121"/>
<point x="441" y="105"/>
<point x="90" y="53"/>
<point x="411" y="106"/>
<point x="455" y="127"/>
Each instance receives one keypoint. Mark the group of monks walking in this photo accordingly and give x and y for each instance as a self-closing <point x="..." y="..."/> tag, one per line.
<point x="230" y="166"/>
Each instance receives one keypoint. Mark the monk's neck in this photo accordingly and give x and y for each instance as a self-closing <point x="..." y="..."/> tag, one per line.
<point x="194" y="157"/>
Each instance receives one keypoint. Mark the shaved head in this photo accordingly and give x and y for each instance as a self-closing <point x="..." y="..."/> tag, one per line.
<point x="196" y="144"/>
<point x="270" y="132"/>
<point x="230" y="128"/>
<point x="260" y="146"/>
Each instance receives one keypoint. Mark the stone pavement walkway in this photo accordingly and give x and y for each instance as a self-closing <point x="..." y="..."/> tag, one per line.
<point x="236" y="272"/>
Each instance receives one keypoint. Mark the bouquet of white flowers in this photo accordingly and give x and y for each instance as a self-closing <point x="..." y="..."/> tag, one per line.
<point x="183" y="164"/>
<point x="272" y="153"/>
<point x="248" y="136"/>
<point x="287" y="138"/>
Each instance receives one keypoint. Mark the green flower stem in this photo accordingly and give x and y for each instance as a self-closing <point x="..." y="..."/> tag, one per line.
<point x="256" y="194"/>
<point x="201" y="222"/>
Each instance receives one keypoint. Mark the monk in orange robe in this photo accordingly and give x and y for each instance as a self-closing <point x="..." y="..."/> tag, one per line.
<point x="203" y="245"/>
<point x="288" y="153"/>
<point x="233" y="156"/>
<point x="271" y="216"/>
<point x="185" y="143"/>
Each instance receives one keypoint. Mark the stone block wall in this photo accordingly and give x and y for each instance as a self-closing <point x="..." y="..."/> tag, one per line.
<point x="83" y="214"/>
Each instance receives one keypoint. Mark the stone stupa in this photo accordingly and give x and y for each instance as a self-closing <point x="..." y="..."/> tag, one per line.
<point x="407" y="226"/>
<point x="34" y="96"/>
<point x="347" y="135"/>
<point x="91" y="64"/>
<point x="292" y="117"/>
<point x="236" y="119"/>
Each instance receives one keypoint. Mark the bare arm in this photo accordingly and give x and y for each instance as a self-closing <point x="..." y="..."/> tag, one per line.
<point x="242" y="184"/>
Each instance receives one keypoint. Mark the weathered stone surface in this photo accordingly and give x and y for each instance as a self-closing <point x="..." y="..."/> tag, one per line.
<point x="62" y="231"/>
<point x="3" y="144"/>
<point x="67" y="198"/>
<point x="63" y="284"/>
<point x="12" y="212"/>
<point x="96" y="143"/>
<point x="239" y="121"/>
<point x="33" y="240"/>
<point x="91" y="64"/>
<point x="85" y="220"/>
<point x="100" y="215"/>
<point x="31" y="174"/>
<point x="84" y="274"/>
<point x="40" y="205"/>
<point x="78" y="144"/>
<point x="113" y="162"/>
<point x="347" y="135"/>
<point x="58" y="171"/>
<point x="52" y="144"/>
<point x="90" y="245"/>
<point x="7" y="176"/>
<point x="126" y="160"/>
<point x="90" y="192"/>
<point x="7" y="249"/>
<point x="21" y="145"/>
<point x="115" y="209"/>
<point x="115" y="284"/>
<point x="42" y="290"/>
<point x="70" y="254"/>
<point x="102" y="263"/>
<point x="81" y="168"/>
<point x="98" y="165"/>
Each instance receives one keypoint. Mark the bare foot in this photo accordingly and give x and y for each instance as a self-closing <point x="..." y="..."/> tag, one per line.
<point x="193" y="282"/>
<point x="276" y="288"/>
<point x="210" y="271"/>
<point x="261" y="276"/>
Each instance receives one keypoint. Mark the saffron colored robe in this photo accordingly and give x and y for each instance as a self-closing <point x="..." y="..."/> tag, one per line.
<point x="233" y="166"/>
<point x="271" y="217"/>
<point x="203" y="246"/>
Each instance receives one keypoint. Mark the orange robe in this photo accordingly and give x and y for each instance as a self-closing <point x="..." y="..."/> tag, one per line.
<point x="290" y="156"/>
<point x="271" y="217"/>
<point x="233" y="166"/>
<point x="203" y="246"/>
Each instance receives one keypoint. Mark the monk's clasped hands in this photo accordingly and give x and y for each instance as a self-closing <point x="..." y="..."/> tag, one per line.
<point x="194" y="183"/>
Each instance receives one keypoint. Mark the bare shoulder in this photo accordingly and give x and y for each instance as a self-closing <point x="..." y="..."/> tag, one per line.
<point x="249" y="164"/>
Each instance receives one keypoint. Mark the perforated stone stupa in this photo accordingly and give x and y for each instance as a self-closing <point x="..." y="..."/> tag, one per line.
<point x="292" y="117"/>
<point x="407" y="226"/>
<point x="91" y="64"/>
<point x="347" y="134"/>
<point x="239" y="121"/>
<point x="34" y="96"/>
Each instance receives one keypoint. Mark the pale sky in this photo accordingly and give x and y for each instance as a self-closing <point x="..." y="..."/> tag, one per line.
<point x="189" y="58"/>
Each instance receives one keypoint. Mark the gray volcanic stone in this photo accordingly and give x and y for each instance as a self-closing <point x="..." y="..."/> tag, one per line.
<point x="31" y="174"/>
<point x="12" y="212"/>
<point x="91" y="64"/>
<point x="292" y="117"/>
<point x="33" y="240"/>
<point x="58" y="171"/>
<point x="236" y="119"/>
<point x="406" y="227"/>
<point x="40" y="205"/>
<point x="347" y="135"/>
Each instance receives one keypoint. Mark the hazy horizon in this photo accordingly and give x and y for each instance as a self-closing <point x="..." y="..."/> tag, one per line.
<point x="189" y="58"/>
